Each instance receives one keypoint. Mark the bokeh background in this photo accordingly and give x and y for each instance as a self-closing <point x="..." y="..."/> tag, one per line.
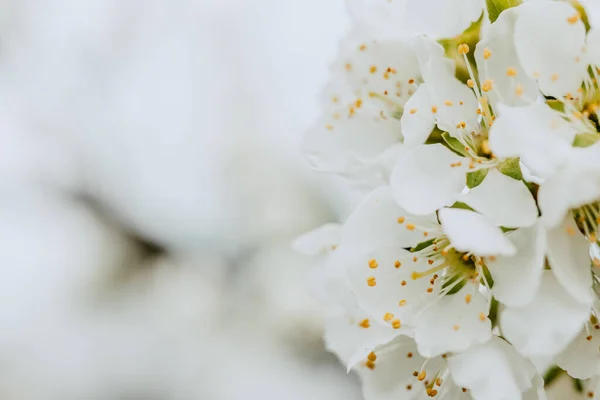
<point x="151" y="185"/>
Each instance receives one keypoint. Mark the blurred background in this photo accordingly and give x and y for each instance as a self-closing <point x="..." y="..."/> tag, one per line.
<point x="151" y="185"/>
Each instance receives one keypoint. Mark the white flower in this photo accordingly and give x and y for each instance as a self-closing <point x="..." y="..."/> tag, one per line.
<point x="546" y="325"/>
<point x="360" y="132"/>
<point x="489" y="371"/>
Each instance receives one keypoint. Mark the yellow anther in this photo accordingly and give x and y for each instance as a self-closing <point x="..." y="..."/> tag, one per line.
<point x="370" y="364"/>
<point x="434" y="109"/>
<point x="519" y="90"/>
<point x="439" y="381"/>
<point x="430" y="262"/>
<point x="448" y="103"/>
<point x="409" y="354"/>
<point x="402" y="303"/>
<point x="373" y="264"/>
<point x="470" y="83"/>
<point x="589" y="338"/>
<point x="422" y="375"/>
<point x="411" y="81"/>
<point x="371" y="281"/>
<point x="425" y="234"/>
<point x="574" y="18"/>
<point x="429" y="290"/>
<point x="456" y="327"/>
<point x="577" y="115"/>
<point x="373" y="69"/>
<point x="403" y="283"/>
<point x="362" y="47"/>
<point x="410" y="227"/>
<point x="329" y="127"/>
<point x="365" y="323"/>
<point x="486" y="54"/>
<point x="482" y="316"/>
<point x="512" y="72"/>
<point x="396" y="324"/>
<point x="388" y="317"/>
<point x="415" y="258"/>
<point x="397" y="264"/>
<point x="461" y="125"/>
<point x="554" y="77"/>
<point x="570" y="230"/>
<point x="413" y="111"/>
<point x="463" y="49"/>
<point x="468" y="298"/>
<point x="348" y="67"/>
<point x="401" y="220"/>
<point x="358" y="103"/>
<point x="372" y="357"/>
<point x="456" y="164"/>
<point x="487" y="85"/>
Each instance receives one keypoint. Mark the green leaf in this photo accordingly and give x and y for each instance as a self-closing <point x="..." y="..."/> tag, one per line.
<point x="585" y="139"/>
<point x="511" y="167"/>
<point x="475" y="178"/>
<point x="422" y="245"/>
<point x="495" y="7"/>
<point x="462" y="206"/>
<point x="454" y="144"/>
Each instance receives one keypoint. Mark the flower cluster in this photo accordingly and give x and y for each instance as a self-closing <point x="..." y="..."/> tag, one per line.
<point x="472" y="265"/>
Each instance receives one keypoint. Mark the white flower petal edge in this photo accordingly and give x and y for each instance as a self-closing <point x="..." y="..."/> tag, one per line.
<point x="511" y="86"/>
<point x="581" y="359"/>
<point x="568" y="255"/>
<point x="536" y="133"/>
<point x="504" y="201"/>
<point x="517" y="278"/>
<point x="551" y="48"/>
<point x="441" y="18"/>
<point x="493" y="371"/>
<point x="548" y="323"/>
<point x="418" y="119"/>
<point x="470" y="232"/>
<point x="319" y="241"/>
<point x="427" y="178"/>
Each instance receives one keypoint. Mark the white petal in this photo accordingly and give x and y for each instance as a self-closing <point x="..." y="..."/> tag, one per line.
<point x="441" y="18"/>
<point x="593" y="46"/>
<point x="548" y="323"/>
<point x="568" y="255"/>
<point x="504" y="201"/>
<point x="567" y="189"/>
<point x="392" y="289"/>
<point x="517" y="278"/>
<point x="455" y="102"/>
<point x="375" y="224"/>
<point x="535" y="133"/>
<point x="471" y="232"/>
<point x="453" y="324"/>
<point x="537" y="391"/>
<point x="500" y="42"/>
<point x="418" y="119"/>
<point x="319" y="241"/>
<point x="550" y="48"/>
<point x="492" y="371"/>
<point x="348" y="339"/>
<point x="393" y="372"/>
<point x="581" y="359"/>
<point x="427" y="178"/>
<point x="339" y="145"/>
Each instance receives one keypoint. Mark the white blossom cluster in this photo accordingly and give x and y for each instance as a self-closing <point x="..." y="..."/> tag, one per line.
<point x="472" y="266"/>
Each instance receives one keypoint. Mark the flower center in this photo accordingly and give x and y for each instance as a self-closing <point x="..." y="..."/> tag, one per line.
<point x="587" y="218"/>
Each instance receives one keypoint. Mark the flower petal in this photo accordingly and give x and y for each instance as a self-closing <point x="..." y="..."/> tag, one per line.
<point x="418" y="119"/>
<point x="581" y="359"/>
<point x="550" y="48"/>
<point x="569" y="188"/>
<point x="504" y="201"/>
<point x="383" y="285"/>
<point x="536" y="133"/>
<point x="593" y="46"/>
<point x="454" y="324"/>
<point x="321" y="240"/>
<point x="548" y="323"/>
<point x="455" y="102"/>
<point x="568" y="255"/>
<point x="517" y="278"/>
<point x="391" y="374"/>
<point x="441" y="18"/>
<point x="503" y="66"/>
<point x="427" y="178"/>
<point x="379" y="222"/>
<point x="492" y="371"/>
<point x="471" y="232"/>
